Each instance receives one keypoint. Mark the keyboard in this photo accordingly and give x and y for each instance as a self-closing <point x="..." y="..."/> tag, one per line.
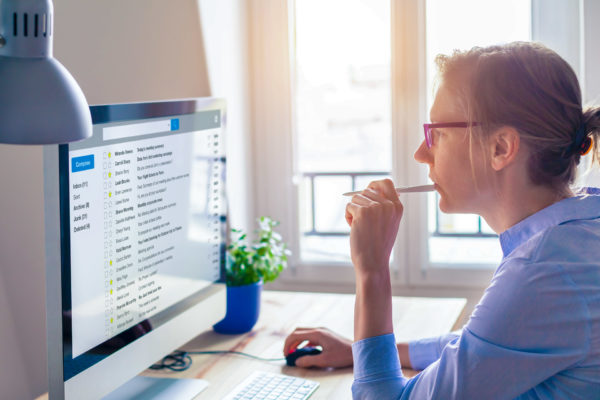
<point x="269" y="386"/>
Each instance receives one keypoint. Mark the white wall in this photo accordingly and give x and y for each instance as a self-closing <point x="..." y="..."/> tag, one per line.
<point x="225" y="29"/>
<point x="22" y="278"/>
<point x="134" y="50"/>
<point x="119" y="51"/>
<point x="591" y="48"/>
<point x="591" y="74"/>
<point x="10" y="351"/>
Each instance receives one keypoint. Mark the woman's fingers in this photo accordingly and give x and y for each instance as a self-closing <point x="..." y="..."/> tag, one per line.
<point x="367" y="197"/>
<point x="319" y="360"/>
<point x="384" y="187"/>
<point x="378" y="193"/>
<point x="299" y="336"/>
<point x="373" y="194"/>
<point x="337" y="350"/>
<point x="348" y="214"/>
<point x="357" y="201"/>
<point x="373" y="216"/>
<point x="385" y="192"/>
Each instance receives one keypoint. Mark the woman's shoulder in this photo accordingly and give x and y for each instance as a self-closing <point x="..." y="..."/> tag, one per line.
<point x="574" y="241"/>
<point x="541" y="287"/>
<point x="562" y="259"/>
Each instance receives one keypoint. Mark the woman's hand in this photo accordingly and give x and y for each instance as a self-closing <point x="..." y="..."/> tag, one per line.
<point x="337" y="350"/>
<point x="374" y="216"/>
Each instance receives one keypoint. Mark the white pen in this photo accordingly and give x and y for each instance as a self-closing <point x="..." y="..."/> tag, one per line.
<point x="412" y="189"/>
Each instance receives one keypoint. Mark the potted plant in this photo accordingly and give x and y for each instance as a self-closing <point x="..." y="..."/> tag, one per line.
<point x="247" y="267"/>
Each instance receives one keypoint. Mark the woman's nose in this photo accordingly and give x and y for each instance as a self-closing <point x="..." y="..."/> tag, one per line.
<point x="423" y="154"/>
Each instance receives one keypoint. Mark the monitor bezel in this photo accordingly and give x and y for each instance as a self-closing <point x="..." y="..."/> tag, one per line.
<point x="58" y="259"/>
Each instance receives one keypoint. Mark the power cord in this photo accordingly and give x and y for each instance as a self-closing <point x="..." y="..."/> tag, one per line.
<point x="180" y="360"/>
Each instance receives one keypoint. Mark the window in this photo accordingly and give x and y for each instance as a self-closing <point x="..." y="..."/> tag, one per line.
<point x="341" y="98"/>
<point x="458" y="239"/>
<point x="326" y="75"/>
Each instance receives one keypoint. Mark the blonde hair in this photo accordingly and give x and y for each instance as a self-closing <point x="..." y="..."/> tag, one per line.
<point x="531" y="88"/>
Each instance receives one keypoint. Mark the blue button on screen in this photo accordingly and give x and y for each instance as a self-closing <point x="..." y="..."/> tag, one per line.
<point x="82" y="163"/>
<point x="175" y="124"/>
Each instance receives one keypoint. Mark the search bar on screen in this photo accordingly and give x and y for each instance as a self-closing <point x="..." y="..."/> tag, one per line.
<point x="143" y="128"/>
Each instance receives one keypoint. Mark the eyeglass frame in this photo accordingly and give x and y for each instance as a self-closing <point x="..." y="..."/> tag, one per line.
<point x="427" y="129"/>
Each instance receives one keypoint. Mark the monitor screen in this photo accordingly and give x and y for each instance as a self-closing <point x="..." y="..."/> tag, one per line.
<point x="142" y="225"/>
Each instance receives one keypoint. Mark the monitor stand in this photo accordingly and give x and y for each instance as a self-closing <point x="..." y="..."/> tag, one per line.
<point x="145" y="387"/>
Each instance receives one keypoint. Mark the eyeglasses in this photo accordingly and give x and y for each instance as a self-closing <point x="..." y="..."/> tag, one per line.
<point x="428" y="127"/>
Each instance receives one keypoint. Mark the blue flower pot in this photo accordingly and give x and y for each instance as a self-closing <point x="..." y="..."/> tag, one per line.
<point x="243" y="308"/>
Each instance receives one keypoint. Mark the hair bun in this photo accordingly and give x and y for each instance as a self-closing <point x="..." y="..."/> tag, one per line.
<point x="580" y="144"/>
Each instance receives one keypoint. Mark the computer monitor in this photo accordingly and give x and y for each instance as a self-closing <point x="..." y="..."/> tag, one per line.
<point x="135" y="239"/>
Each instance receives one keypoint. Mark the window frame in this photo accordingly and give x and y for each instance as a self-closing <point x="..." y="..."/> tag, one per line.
<point x="410" y="18"/>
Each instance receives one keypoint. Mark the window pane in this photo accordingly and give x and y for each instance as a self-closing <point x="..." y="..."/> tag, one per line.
<point x="331" y="249"/>
<point x="342" y="110"/>
<point x="485" y="228"/>
<point x="363" y="181"/>
<point x="458" y="223"/>
<point x="330" y="204"/>
<point x="463" y="24"/>
<point x="464" y="251"/>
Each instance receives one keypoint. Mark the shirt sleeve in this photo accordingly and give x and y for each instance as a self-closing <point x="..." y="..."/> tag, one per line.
<point x="531" y="324"/>
<point x="377" y="371"/>
<point x="423" y="352"/>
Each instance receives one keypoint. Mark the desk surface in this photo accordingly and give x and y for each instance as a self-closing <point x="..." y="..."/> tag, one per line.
<point x="414" y="317"/>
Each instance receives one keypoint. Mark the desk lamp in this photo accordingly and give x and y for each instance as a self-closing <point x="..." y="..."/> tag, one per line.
<point x="40" y="102"/>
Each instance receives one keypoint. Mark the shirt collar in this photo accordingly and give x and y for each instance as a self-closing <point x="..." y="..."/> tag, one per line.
<point x="584" y="206"/>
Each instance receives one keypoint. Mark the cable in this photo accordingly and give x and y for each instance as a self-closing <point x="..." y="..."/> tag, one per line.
<point x="177" y="361"/>
<point x="180" y="360"/>
<point x="238" y="353"/>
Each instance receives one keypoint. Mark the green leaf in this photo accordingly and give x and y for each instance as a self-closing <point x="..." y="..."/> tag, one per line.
<point x="264" y="259"/>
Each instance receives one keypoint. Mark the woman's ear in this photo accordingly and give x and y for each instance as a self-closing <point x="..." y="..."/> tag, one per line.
<point x="504" y="146"/>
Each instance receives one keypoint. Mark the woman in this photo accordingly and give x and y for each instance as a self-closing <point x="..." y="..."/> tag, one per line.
<point x="508" y="133"/>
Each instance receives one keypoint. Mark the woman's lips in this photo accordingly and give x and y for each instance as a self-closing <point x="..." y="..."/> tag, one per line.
<point x="435" y="185"/>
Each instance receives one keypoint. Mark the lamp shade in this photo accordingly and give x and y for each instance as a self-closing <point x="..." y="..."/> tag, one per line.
<point x="40" y="102"/>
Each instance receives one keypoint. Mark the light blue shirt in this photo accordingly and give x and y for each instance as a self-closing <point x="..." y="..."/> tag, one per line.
<point x="535" y="334"/>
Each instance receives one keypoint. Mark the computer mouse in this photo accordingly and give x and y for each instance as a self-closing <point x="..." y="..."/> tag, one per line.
<point x="291" y="358"/>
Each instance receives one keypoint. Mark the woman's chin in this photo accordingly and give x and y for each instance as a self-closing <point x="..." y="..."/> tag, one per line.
<point x="447" y="206"/>
<point x="443" y="205"/>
